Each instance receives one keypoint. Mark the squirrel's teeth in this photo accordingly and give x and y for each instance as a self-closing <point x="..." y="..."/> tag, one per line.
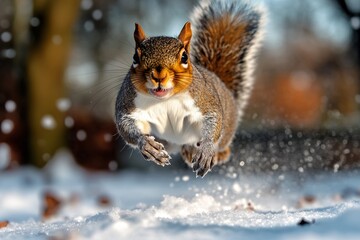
<point x="160" y="92"/>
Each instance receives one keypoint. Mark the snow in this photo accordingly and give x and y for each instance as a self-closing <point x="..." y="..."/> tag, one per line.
<point x="355" y="22"/>
<point x="63" y="104"/>
<point x="10" y="106"/>
<point x="357" y="98"/>
<point x="7" y="126"/>
<point x="97" y="14"/>
<point x="8" y="53"/>
<point x="6" y="36"/>
<point x="170" y="203"/>
<point x="34" y="22"/>
<point x="89" y="26"/>
<point x="86" y="4"/>
<point x="81" y="135"/>
<point x="69" y="122"/>
<point x="48" y="122"/>
<point x="56" y="39"/>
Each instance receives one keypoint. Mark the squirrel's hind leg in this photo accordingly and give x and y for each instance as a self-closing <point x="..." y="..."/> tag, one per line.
<point x="224" y="155"/>
<point x="187" y="153"/>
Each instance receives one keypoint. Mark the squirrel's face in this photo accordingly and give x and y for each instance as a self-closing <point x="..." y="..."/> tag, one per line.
<point x="161" y="65"/>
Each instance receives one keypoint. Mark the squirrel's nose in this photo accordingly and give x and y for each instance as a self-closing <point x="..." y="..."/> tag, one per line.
<point x="157" y="78"/>
<point x="158" y="75"/>
<point x="158" y="69"/>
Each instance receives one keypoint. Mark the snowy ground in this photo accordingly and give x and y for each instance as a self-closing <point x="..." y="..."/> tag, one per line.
<point x="173" y="204"/>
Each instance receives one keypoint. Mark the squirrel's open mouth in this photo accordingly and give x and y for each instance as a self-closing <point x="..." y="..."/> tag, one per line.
<point x="160" y="92"/>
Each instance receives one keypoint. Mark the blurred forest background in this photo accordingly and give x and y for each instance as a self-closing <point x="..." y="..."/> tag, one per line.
<point x="62" y="62"/>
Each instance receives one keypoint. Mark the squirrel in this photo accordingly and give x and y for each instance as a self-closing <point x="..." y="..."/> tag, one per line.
<point x="177" y="98"/>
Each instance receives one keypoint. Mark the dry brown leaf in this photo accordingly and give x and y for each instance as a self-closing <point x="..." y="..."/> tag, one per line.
<point x="51" y="205"/>
<point x="104" y="200"/>
<point x="4" y="224"/>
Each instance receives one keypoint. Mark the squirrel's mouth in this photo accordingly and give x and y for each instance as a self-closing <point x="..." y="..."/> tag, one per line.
<point x="160" y="92"/>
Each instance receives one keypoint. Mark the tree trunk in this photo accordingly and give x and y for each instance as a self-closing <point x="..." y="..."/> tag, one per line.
<point x="46" y="66"/>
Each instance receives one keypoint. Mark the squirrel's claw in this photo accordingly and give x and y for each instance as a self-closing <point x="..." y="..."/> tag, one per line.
<point x="204" y="160"/>
<point x="201" y="171"/>
<point x="154" y="151"/>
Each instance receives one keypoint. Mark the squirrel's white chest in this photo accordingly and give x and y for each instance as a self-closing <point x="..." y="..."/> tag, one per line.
<point x="176" y="119"/>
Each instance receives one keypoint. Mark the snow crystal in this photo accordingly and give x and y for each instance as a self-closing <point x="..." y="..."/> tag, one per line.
<point x="48" y="122"/>
<point x="63" y="104"/>
<point x="185" y="178"/>
<point x="113" y="165"/>
<point x="34" y="21"/>
<point x="6" y="36"/>
<point x="86" y="4"/>
<point x="97" y="14"/>
<point x="5" y="156"/>
<point x="9" y="53"/>
<point x="7" y="126"/>
<point x="275" y="167"/>
<point x="69" y="122"/>
<point x="107" y="137"/>
<point x="236" y="188"/>
<point x="177" y="207"/>
<point x="81" y="135"/>
<point x="10" y="106"/>
<point x="57" y="39"/>
<point x="83" y="75"/>
<point x="357" y="98"/>
<point x="355" y="22"/>
<point x="89" y="25"/>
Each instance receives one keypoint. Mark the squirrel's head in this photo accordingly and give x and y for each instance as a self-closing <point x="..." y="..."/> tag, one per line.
<point x="161" y="65"/>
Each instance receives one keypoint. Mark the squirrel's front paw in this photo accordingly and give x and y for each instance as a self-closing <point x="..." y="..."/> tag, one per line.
<point x="154" y="151"/>
<point x="204" y="159"/>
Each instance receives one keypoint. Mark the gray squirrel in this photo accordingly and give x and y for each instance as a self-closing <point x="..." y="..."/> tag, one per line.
<point x="177" y="98"/>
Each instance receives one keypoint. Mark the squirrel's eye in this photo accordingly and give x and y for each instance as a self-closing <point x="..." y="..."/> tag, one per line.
<point x="184" y="58"/>
<point x="136" y="60"/>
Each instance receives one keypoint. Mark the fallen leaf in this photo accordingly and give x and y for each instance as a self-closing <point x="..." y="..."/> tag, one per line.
<point x="104" y="200"/>
<point x="306" y="200"/>
<point x="51" y="205"/>
<point x="4" y="224"/>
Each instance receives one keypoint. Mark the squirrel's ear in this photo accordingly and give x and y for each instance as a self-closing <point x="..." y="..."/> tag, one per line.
<point x="185" y="36"/>
<point x="139" y="34"/>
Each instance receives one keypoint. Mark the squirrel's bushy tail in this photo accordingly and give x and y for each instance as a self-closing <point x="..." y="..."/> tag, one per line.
<point x="225" y="39"/>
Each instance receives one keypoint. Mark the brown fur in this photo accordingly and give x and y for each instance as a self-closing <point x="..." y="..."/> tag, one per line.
<point x="222" y="59"/>
<point x="217" y="75"/>
<point x="211" y="94"/>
